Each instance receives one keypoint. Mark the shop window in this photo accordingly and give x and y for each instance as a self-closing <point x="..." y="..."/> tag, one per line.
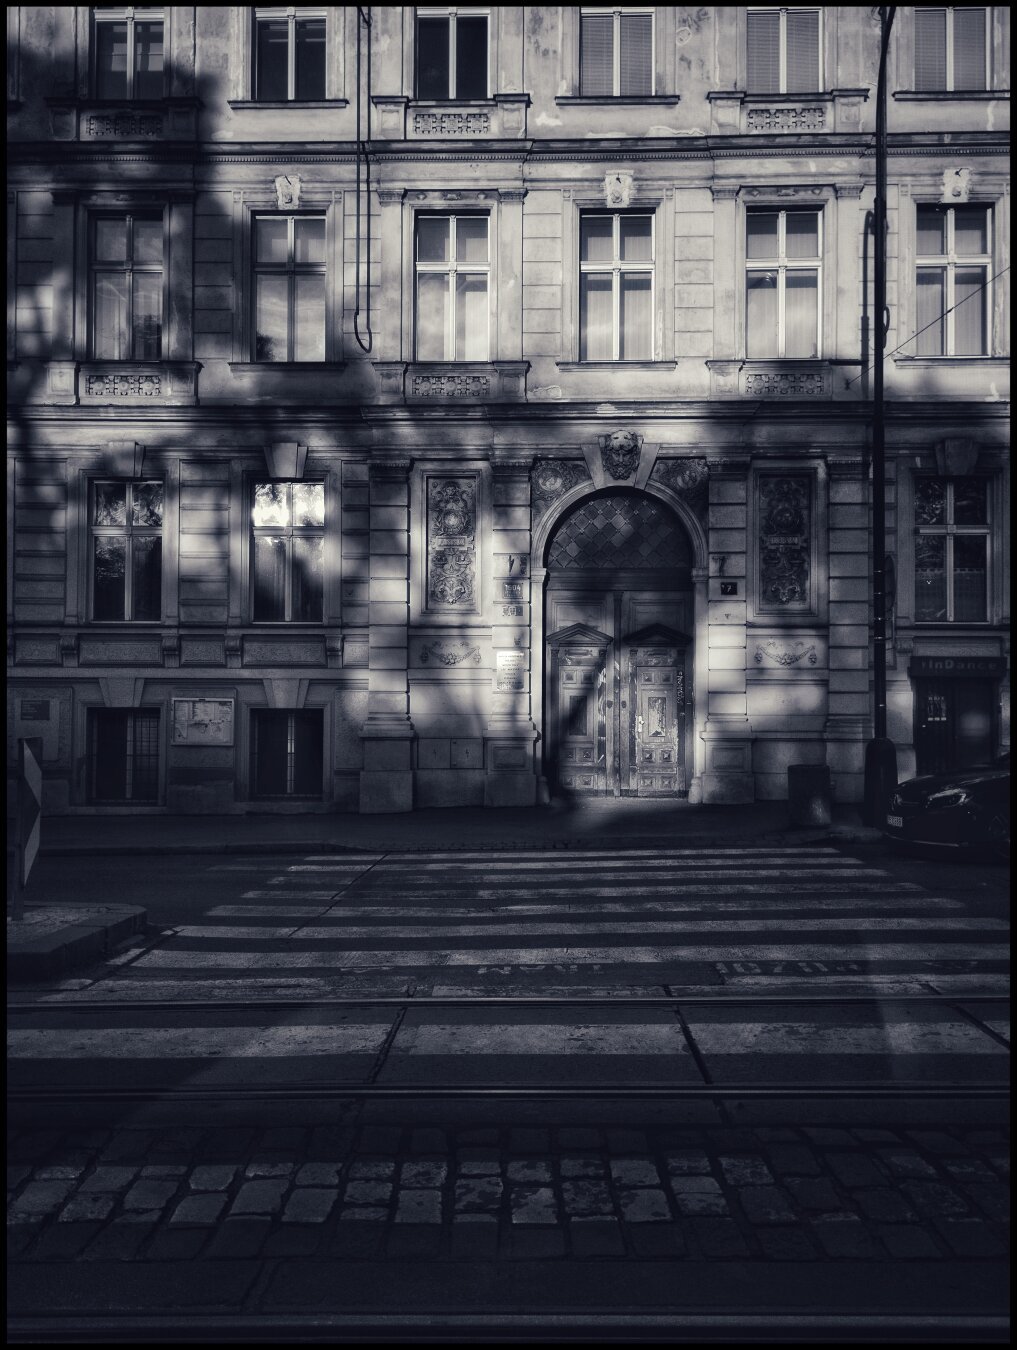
<point x="126" y="287"/>
<point x="951" y="48"/>
<point x="782" y="51"/>
<point x="287" y="552"/>
<point x="286" y="754"/>
<point x="953" y="253"/>
<point x="615" y="52"/>
<point x="126" y="530"/>
<point x="615" y="287"/>
<point x="128" y="60"/>
<point x="289" y="288"/>
<point x="783" y="251"/>
<point x="451" y="50"/>
<point x="123" y="755"/>
<point x="951" y="550"/>
<point x="289" y="55"/>
<point x="453" y="274"/>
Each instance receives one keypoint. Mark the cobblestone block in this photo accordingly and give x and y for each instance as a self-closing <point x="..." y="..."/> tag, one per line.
<point x="199" y="1210"/>
<point x="475" y="1194"/>
<point x="885" y="1205"/>
<point x="644" y="1206"/>
<point x="59" y="1242"/>
<point x="793" y="1160"/>
<point x="533" y="1204"/>
<point x="363" y="1214"/>
<point x="176" y="1244"/>
<point x="212" y="1177"/>
<point x="703" y="1199"/>
<point x="529" y="1141"/>
<point x="59" y="1172"/>
<point x="905" y="1162"/>
<point x="932" y="1197"/>
<point x="148" y="1195"/>
<point x="428" y="1141"/>
<point x="573" y="1138"/>
<point x="239" y="1239"/>
<point x="364" y="1239"/>
<point x="627" y="1141"/>
<point x="970" y="1237"/>
<point x="765" y="1204"/>
<point x="634" y="1172"/>
<point x="268" y="1169"/>
<point x="415" y="1242"/>
<point x="968" y="1169"/>
<point x="38" y="1200"/>
<point x="529" y="1170"/>
<point x="87" y="1209"/>
<point x="368" y="1192"/>
<point x="479" y="1165"/>
<point x="907" y="1242"/>
<point x="855" y="1169"/>
<point x="423" y="1175"/>
<point x="259" y="1197"/>
<point x="119" y="1241"/>
<point x="581" y="1167"/>
<point x="991" y="1197"/>
<point x="745" y="1171"/>
<point x="319" y="1174"/>
<point x="110" y="1179"/>
<point x="310" y="1204"/>
<point x="584" y="1198"/>
<point x="371" y="1170"/>
<point x="524" y="1243"/>
<point x="596" y="1237"/>
<point x="716" y="1238"/>
<point x="688" y="1162"/>
<point x="657" y="1239"/>
<point x="298" y="1239"/>
<point x="786" y="1244"/>
<point x="164" y="1170"/>
<point x="418" y="1207"/>
<point x="816" y="1193"/>
<point x="845" y="1237"/>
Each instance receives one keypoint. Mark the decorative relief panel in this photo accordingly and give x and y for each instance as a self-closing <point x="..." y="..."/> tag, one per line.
<point x="786" y="653"/>
<point x="689" y="479"/>
<point x="452" y="544"/>
<point x="122" y="386"/>
<point x="785" y="384"/>
<point x="620" y="532"/>
<point x="120" y="125"/>
<point x="99" y="652"/>
<point x="451" y="123"/>
<point x="551" y="479"/>
<point x="449" y="653"/>
<point x="785" y="539"/>
<point x="450" y="386"/>
<point x="786" y="119"/>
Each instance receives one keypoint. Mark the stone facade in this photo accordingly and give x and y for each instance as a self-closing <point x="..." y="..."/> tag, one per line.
<point x="443" y="635"/>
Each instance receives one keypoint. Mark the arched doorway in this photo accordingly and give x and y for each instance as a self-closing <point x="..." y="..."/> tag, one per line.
<point x="618" y="614"/>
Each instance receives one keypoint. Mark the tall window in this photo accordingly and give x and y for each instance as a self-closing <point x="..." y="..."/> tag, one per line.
<point x="126" y="527"/>
<point x="286" y="753"/>
<point x="951" y="48"/>
<point x="615" y="287"/>
<point x="287" y="552"/>
<point x="452" y="54"/>
<point x="951" y="550"/>
<point x="782" y="261"/>
<point x="615" y="52"/>
<point x="952" y="280"/>
<point x="126" y="287"/>
<point x="783" y="51"/>
<point x="289" y="54"/>
<point x="123" y="754"/>
<point x="289" y="288"/>
<point x="453" y="283"/>
<point x="127" y="44"/>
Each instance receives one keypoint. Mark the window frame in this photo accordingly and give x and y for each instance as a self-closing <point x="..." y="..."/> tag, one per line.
<point x="131" y="214"/>
<point x="589" y="11"/>
<point x="130" y="15"/>
<point x="291" y="13"/>
<point x="616" y="267"/>
<point x="949" y="86"/>
<point x="782" y="266"/>
<point x="451" y="269"/>
<point x="948" y="531"/>
<point x="949" y="262"/>
<point x="290" y="532"/>
<point x="93" y="715"/>
<point x="782" y="12"/>
<point x="127" y="532"/>
<point x="291" y="270"/>
<point x="452" y="13"/>
<point x="256" y="714"/>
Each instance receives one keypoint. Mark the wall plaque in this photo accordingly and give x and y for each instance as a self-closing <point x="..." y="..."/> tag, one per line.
<point x="452" y="543"/>
<point x="34" y="710"/>
<point x="203" y="721"/>
<point x="511" y="670"/>
<point x="785" y="540"/>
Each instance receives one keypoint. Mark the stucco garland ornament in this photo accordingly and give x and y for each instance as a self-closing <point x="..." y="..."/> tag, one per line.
<point x="787" y="656"/>
<point x="620" y="453"/>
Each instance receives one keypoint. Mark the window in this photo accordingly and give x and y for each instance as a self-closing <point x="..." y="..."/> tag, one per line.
<point x="952" y="280"/>
<point x="127" y="287"/>
<point x="452" y="54"/>
<point x="128" y="52"/>
<point x="126" y="528"/>
<point x="289" y="288"/>
<point x="782" y="55"/>
<point x="615" y="287"/>
<point x="453" y="283"/>
<point x="123" y="754"/>
<point x="289" y="54"/>
<point x="286" y="753"/>
<point x="951" y="50"/>
<point x="782" y="261"/>
<point x="951" y="550"/>
<point x="287" y="550"/>
<point x="615" y="52"/>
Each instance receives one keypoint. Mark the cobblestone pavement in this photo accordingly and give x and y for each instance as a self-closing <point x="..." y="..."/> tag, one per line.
<point x="762" y="1194"/>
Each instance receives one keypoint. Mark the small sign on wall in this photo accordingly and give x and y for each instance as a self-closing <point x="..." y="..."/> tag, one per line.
<point x="511" y="670"/>
<point x="203" y="721"/>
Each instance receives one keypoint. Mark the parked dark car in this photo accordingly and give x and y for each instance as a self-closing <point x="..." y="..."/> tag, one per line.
<point x="967" y="808"/>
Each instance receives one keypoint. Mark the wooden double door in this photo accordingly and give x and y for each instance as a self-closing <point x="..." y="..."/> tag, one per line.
<point x="954" y="724"/>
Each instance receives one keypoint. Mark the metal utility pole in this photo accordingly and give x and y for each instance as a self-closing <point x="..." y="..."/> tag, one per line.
<point x="880" y="754"/>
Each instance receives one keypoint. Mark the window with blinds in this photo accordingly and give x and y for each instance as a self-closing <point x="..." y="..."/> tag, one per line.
<point x="953" y="257"/>
<point x="951" y="51"/>
<point x="783" y="55"/>
<point x="616" y="53"/>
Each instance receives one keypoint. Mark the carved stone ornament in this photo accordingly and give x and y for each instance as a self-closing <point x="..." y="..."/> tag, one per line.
<point x="784" y="541"/>
<point x="789" y="655"/>
<point x="618" y="189"/>
<point x="620" y="453"/>
<point x="552" y="478"/>
<point x="451" y="542"/>
<point x="287" y="190"/>
<point x="450" y="654"/>
<point x="689" y="479"/>
<point x="786" y="119"/>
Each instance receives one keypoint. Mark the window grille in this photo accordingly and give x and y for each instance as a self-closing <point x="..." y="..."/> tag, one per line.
<point x="123" y="754"/>
<point x="286" y="754"/>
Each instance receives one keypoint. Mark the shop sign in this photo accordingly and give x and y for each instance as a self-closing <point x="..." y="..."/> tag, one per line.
<point x="963" y="667"/>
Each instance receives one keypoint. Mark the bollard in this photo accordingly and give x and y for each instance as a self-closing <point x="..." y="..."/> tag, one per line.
<point x="808" y="795"/>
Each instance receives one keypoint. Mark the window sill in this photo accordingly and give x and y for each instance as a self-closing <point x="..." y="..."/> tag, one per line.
<point x="947" y="360"/>
<point x="309" y="104"/>
<point x="771" y="377"/>
<point x="123" y="119"/>
<point x="948" y="95"/>
<point x="619" y="100"/>
<point x="466" y="382"/>
<point x="499" y="117"/>
<point x="570" y="366"/>
<point x="308" y="367"/>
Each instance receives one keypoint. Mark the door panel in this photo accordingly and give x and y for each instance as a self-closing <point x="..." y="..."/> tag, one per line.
<point x="954" y="724"/>
<point x="657" y="766"/>
<point x="580" y="714"/>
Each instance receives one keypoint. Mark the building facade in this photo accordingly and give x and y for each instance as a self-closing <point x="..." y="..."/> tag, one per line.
<point x="442" y="406"/>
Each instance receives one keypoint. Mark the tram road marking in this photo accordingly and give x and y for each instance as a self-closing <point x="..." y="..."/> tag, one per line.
<point x="574" y="910"/>
<point x="252" y="1042"/>
<point x="807" y="1037"/>
<point x="596" y="927"/>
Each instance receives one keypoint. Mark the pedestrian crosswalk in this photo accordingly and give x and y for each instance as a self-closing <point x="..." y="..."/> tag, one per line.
<point x="595" y="927"/>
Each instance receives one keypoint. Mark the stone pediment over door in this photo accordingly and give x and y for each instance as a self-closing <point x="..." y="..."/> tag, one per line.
<point x="658" y="635"/>
<point x="579" y="635"/>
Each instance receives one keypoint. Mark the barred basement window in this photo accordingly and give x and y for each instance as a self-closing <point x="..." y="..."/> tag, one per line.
<point x="953" y="252"/>
<point x="453" y="267"/>
<point x="289" y="288"/>
<point x="451" y="53"/>
<point x="782" y="261"/>
<point x="615" y="287"/>
<point x="123" y="754"/>
<point x="783" y="51"/>
<point x="127" y="45"/>
<point x="615" y="52"/>
<point x="951" y="550"/>
<point x="287" y="552"/>
<point x="951" y="48"/>
<point x="126" y="528"/>
<point x="126" y="287"/>
<point x="289" y="62"/>
<point x="287" y="754"/>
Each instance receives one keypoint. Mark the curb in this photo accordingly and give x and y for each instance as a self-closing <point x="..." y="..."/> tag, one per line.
<point x="54" y="954"/>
